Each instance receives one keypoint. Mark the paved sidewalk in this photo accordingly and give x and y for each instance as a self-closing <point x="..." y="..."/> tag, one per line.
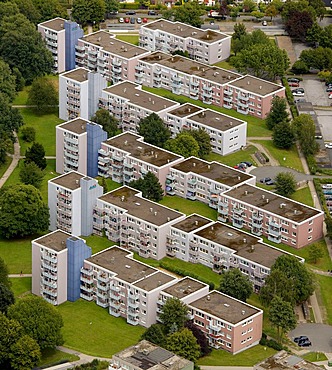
<point x="14" y="163"/>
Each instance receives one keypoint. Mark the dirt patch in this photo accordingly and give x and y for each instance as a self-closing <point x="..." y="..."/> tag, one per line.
<point x="285" y="42"/>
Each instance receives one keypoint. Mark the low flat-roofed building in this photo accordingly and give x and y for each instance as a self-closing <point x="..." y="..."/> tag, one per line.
<point x="285" y="361"/>
<point x="127" y="287"/>
<point x="147" y="356"/>
<point x="135" y="222"/>
<point x="227" y="322"/>
<point x="127" y="157"/>
<point x="196" y="179"/>
<point x="208" y="46"/>
<point x="265" y="213"/>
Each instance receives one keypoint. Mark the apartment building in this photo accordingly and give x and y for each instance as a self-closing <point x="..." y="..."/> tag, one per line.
<point x="102" y="52"/>
<point x="77" y="145"/>
<point x="128" y="103"/>
<point x="207" y="46"/>
<point x="285" y="361"/>
<point x="79" y="92"/>
<point x="210" y="84"/>
<point x="57" y="259"/>
<point x="128" y="288"/>
<point x="196" y="179"/>
<point x="197" y="239"/>
<point x="147" y="356"/>
<point x="127" y="157"/>
<point x="71" y="200"/>
<point x="280" y="219"/>
<point x="61" y="37"/>
<point x="227" y="134"/>
<point x="134" y="222"/>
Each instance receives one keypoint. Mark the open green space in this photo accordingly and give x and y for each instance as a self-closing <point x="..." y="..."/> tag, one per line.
<point x="111" y="185"/>
<point x="17" y="254"/>
<point x="314" y="356"/>
<point x="288" y="158"/>
<point x="224" y="64"/>
<point x="304" y="196"/>
<point x="235" y="158"/>
<point x="45" y="129"/>
<point x="53" y="356"/>
<point x="188" y="206"/>
<point x="249" y="357"/>
<point x="325" y="295"/>
<point x="3" y="167"/>
<point x="132" y="39"/>
<point x="97" y="243"/>
<point x="20" y="285"/>
<point x="256" y="126"/>
<point x="92" y="330"/>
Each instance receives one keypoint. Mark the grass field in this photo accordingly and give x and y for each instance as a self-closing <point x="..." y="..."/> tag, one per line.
<point x="20" y="285"/>
<point x="235" y="158"/>
<point x="249" y="357"/>
<point x="304" y="196"/>
<point x="314" y="356"/>
<point x="92" y="330"/>
<point x="325" y="293"/>
<point x="256" y="126"/>
<point x="292" y="159"/>
<point x="52" y="356"/>
<point x="97" y="243"/>
<point x="188" y="206"/>
<point x="45" y="130"/>
<point x="132" y="39"/>
<point x="224" y="64"/>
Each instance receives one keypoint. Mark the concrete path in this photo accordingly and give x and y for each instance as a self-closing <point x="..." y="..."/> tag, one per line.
<point x="19" y="275"/>
<point x="83" y="358"/>
<point x="14" y="163"/>
<point x="261" y="148"/>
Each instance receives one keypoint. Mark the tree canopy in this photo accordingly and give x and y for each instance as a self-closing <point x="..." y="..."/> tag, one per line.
<point x="235" y="284"/>
<point x="319" y="58"/>
<point x="150" y="187"/>
<point x="184" y="344"/>
<point x="298" y="24"/>
<point x="10" y="119"/>
<point x="4" y="274"/>
<point x="31" y="174"/>
<point x="203" y="140"/>
<point x="183" y="144"/>
<point x="39" y="319"/>
<point x="23" y="211"/>
<point x="7" y="81"/>
<point x="154" y="130"/>
<point x="200" y="338"/>
<point x="305" y="129"/>
<point x="109" y="123"/>
<point x="189" y="12"/>
<point x="6" y="298"/>
<point x="278" y="113"/>
<point x="174" y="315"/>
<point x="155" y="334"/>
<point x="43" y="95"/>
<point x="283" y="135"/>
<point x="285" y="183"/>
<point x="36" y="154"/>
<point x="88" y="11"/>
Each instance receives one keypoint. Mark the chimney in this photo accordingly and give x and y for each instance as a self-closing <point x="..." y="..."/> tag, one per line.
<point x="196" y="223"/>
<point x="168" y="219"/>
<point x="189" y="110"/>
<point x="122" y="198"/>
<point x="155" y="213"/>
<point x="263" y="196"/>
<point x="208" y="298"/>
<point x="252" y="248"/>
<point x="194" y="164"/>
<point x="244" y="240"/>
<point x="246" y="192"/>
<point x="126" y="142"/>
<point x="151" y="209"/>
<point x="267" y="201"/>
<point x="209" y="167"/>
<point x="260" y="87"/>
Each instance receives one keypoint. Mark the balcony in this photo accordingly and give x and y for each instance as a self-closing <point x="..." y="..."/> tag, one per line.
<point x="215" y="328"/>
<point x="228" y="99"/>
<point x="102" y="287"/>
<point x="53" y="277"/>
<point x="71" y="140"/>
<point x="49" y="258"/>
<point x="117" y="158"/>
<point x="139" y="68"/>
<point x="103" y="159"/>
<point x="50" y="292"/>
<point x="102" y="152"/>
<point x="207" y="94"/>
<point x="102" y="303"/>
<point x="87" y="297"/>
<point x="115" y="296"/>
<point x="103" y="278"/>
<point x="228" y="92"/>
<point x="192" y="182"/>
<point x="49" y="266"/>
<point x="52" y="301"/>
<point x="191" y="195"/>
<point x="87" y="288"/>
<point x="242" y="96"/>
<point x="114" y="312"/>
<point x="116" y="62"/>
<point x="228" y="106"/>
<point x="133" y="320"/>
<point x="50" y="283"/>
<point x="194" y="84"/>
<point x="133" y="303"/>
<point x="242" y="111"/>
<point x="115" y="304"/>
<point x="170" y="252"/>
<point x="242" y="105"/>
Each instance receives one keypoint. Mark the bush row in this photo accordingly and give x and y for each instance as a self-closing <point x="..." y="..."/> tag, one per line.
<point x="271" y="343"/>
<point x="93" y="365"/>
<point x="181" y="272"/>
<point x="328" y="219"/>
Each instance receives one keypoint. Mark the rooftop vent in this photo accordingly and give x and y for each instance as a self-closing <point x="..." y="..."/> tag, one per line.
<point x="239" y="178"/>
<point x="229" y="234"/>
<point x="243" y="312"/>
<point x="226" y="304"/>
<point x="196" y="223"/>
<point x="212" y="228"/>
<point x="99" y="39"/>
<point x="208" y="298"/>
<point x="295" y="211"/>
<point x="63" y="242"/>
<point x="263" y="196"/>
<point x="122" y="198"/>
<point x="244" y="240"/>
<point x="127" y="266"/>
<point x="138" y="204"/>
<point x="246" y="192"/>
<point x="125" y="49"/>
<point x="137" y="94"/>
<point x="248" y="82"/>
<point x="155" y="213"/>
<point x="209" y="167"/>
<point x="124" y="90"/>
<point x="267" y="200"/>
<point x="126" y="142"/>
<point x="260" y="87"/>
<point x="168" y="219"/>
<point x="151" y="209"/>
<point x="194" y="164"/>
<point x="282" y="205"/>
<point x="77" y="182"/>
<point x="252" y="248"/>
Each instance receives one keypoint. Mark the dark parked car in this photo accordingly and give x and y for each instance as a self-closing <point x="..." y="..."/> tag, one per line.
<point x="304" y="343"/>
<point x="249" y="164"/>
<point x="130" y="12"/>
<point x="329" y="88"/>
<point x="266" y="181"/>
<point x="132" y="20"/>
<point x="152" y="12"/>
<point x="301" y="337"/>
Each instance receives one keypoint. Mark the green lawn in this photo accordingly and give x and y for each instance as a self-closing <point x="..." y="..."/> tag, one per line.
<point x="111" y="185"/>
<point x="188" y="206"/>
<point x="292" y="159"/>
<point x="249" y="357"/>
<point x="45" y="130"/>
<point x="304" y="196"/>
<point x="20" y="285"/>
<point x="256" y="126"/>
<point x="235" y="158"/>
<point x="53" y="356"/>
<point x="17" y="254"/>
<point x="22" y="96"/>
<point x="314" y="356"/>
<point x="3" y="167"/>
<point x="224" y="64"/>
<point x="90" y="329"/>
<point x="325" y="295"/>
<point x="97" y="243"/>
<point x="132" y="39"/>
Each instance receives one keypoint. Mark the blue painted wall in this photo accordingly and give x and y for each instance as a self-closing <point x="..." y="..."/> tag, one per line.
<point x="78" y="251"/>
<point x="72" y="33"/>
<point x="95" y="135"/>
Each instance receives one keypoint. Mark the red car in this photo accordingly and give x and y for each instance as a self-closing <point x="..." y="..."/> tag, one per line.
<point x="145" y="20"/>
<point x="293" y="84"/>
<point x="127" y="20"/>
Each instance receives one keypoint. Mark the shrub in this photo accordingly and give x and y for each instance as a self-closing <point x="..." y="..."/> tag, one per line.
<point x="28" y="134"/>
<point x="300" y="67"/>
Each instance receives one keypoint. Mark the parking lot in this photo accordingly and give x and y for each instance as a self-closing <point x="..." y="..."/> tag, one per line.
<point x="315" y="92"/>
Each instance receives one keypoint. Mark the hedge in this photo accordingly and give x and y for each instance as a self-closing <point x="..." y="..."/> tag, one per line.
<point x="328" y="219"/>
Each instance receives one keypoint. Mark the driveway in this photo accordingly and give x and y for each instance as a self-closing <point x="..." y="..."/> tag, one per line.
<point x="320" y="336"/>
<point x="315" y="92"/>
<point x="272" y="171"/>
<point x="324" y="118"/>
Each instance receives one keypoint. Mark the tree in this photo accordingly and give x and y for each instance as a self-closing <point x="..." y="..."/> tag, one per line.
<point x="203" y="140"/>
<point x="10" y="332"/>
<point x="200" y="338"/>
<point x="285" y="183"/>
<point x="154" y="130"/>
<point x="319" y="8"/>
<point x="7" y="81"/>
<point x="249" y="6"/>
<point x="4" y="274"/>
<point x="150" y="187"/>
<point x="299" y="67"/>
<point x="23" y="47"/>
<point x="278" y="113"/>
<point x="305" y="129"/>
<point x="10" y="119"/>
<point x="239" y="31"/>
<point x="88" y="11"/>
<point x="298" y="24"/>
<point x="315" y="253"/>
<point x="49" y="9"/>
<point x="28" y="134"/>
<point x="109" y="123"/>
<point x="184" y="344"/>
<point x="183" y="144"/>
<point x="244" y="41"/>
<point x="6" y="298"/>
<point x="103" y="183"/>
<point x="111" y="6"/>
<point x="235" y="284"/>
<point x="39" y="319"/>
<point x="31" y="174"/>
<point x="189" y="13"/>
<point x="303" y="283"/>
<point x="271" y="11"/>
<point x="173" y="312"/>
<point x="319" y="58"/>
<point x="283" y="135"/>
<point x="28" y="8"/>
<point x="282" y="316"/>
<point x="24" y="354"/>
<point x="43" y="95"/>
<point x="23" y="211"/>
<point x="36" y="154"/>
<point x="257" y="14"/>
<point x="155" y="334"/>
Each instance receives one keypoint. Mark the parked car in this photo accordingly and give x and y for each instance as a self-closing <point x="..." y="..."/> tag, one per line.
<point x="293" y="79"/>
<point x="329" y="88"/>
<point x="266" y="181"/>
<point x="298" y="92"/>
<point x="132" y="20"/>
<point x="145" y="20"/>
<point x="328" y="145"/>
<point x="301" y="337"/>
<point x="327" y="83"/>
<point x="300" y="100"/>
<point x="264" y="23"/>
<point x="330" y="96"/>
<point x="121" y="20"/>
<point x="294" y="84"/>
<point x="318" y="137"/>
<point x="152" y="12"/>
<point x="139" y="20"/>
<point x="126" y="20"/>
<point x="249" y="164"/>
<point x="130" y="12"/>
<point x="304" y="343"/>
